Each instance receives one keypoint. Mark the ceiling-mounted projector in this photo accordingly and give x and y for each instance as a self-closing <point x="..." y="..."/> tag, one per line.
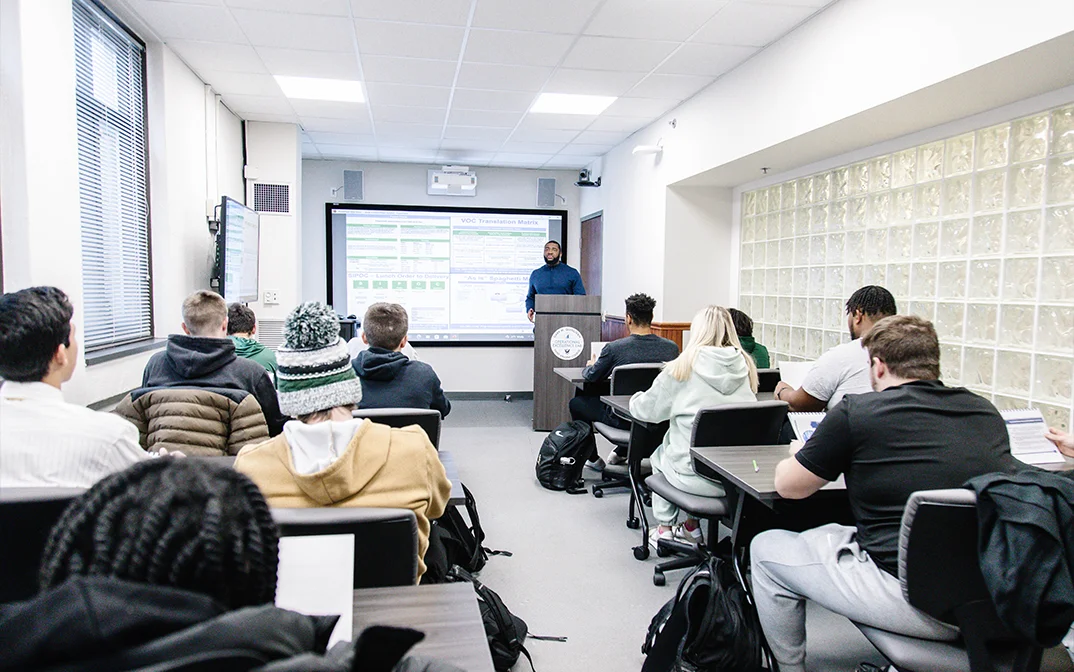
<point x="452" y="181"/>
<point x="584" y="181"/>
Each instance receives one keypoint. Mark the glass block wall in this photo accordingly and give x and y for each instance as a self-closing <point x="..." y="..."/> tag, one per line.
<point x="975" y="232"/>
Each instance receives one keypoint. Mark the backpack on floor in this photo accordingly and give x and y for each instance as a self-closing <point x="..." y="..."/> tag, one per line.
<point x="506" y="632"/>
<point x="563" y="455"/>
<point x="453" y="542"/>
<point x="710" y="624"/>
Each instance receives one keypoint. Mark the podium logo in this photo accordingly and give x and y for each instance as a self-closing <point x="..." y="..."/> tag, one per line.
<point x="567" y="343"/>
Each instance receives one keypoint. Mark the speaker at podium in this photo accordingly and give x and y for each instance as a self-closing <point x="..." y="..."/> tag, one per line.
<point x="564" y="326"/>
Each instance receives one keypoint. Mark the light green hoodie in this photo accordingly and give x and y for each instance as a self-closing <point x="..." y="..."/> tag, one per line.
<point x="720" y="376"/>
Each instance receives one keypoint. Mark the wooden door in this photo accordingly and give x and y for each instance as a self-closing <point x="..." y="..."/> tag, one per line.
<point x="591" y="264"/>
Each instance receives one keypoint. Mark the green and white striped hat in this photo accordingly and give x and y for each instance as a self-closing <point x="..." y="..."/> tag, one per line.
<point x="314" y="367"/>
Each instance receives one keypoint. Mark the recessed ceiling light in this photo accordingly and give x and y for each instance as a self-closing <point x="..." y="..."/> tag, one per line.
<point x="571" y="103"/>
<point x="315" y="88"/>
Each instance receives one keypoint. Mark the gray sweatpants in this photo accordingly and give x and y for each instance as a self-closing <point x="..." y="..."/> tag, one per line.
<point x="827" y="566"/>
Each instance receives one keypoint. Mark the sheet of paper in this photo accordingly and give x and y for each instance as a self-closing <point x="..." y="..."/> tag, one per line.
<point x="1026" y="428"/>
<point x="316" y="577"/>
<point x="794" y="373"/>
<point x="595" y="347"/>
<point x="804" y="424"/>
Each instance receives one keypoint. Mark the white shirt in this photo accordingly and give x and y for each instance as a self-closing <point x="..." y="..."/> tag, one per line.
<point x="45" y="441"/>
<point x="842" y="370"/>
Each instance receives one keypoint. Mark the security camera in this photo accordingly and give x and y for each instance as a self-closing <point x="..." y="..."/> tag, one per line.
<point x="583" y="175"/>
<point x="584" y="181"/>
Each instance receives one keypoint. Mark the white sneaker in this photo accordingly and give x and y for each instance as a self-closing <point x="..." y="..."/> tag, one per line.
<point x="688" y="536"/>
<point x="615" y="458"/>
<point x="595" y="465"/>
<point x="655" y="535"/>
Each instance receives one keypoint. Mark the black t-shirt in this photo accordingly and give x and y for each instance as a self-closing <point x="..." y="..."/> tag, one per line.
<point x="634" y="349"/>
<point x="889" y="444"/>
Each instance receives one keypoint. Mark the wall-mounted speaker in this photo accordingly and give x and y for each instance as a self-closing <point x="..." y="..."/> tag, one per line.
<point x="546" y="192"/>
<point x="353" y="185"/>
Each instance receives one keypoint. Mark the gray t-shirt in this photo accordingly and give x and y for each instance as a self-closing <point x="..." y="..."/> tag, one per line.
<point x="842" y="370"/>
<point x="634" y="349"/>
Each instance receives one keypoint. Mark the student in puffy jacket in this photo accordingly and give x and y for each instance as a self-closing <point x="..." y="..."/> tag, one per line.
<point x="713" y="369"/>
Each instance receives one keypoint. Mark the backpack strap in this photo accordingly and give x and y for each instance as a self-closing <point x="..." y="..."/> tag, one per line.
<point x="522" y="648"/>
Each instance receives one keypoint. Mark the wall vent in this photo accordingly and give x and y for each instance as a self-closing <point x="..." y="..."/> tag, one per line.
<point x="353" y="185"/>
<point x="272" y="198"/>
<point x="270" y="333"/>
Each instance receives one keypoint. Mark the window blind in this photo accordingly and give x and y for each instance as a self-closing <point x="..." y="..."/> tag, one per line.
<point x="113" y="200"/>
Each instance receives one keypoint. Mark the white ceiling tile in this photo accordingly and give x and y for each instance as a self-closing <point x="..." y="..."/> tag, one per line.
<point x="409" y="39"/>
<point x="421" y="71"/>
<point x="619" y="54"/>
<point x="430" y="145"/>
<point x="274" y="118"/>
<point x="440" y="12"/>
<point x="204" y="56"/>
<point x="680" y="87"/>
<point x="567" y="122"/>
<point x="347" y="152"/>
<point x="329" y="109"/>
<point x="462" y="144"/>
<point x="321" y="7"/>
<point x="801" y="3"/>
<point x="592" y="82"/>
<point x="264" y="104"/>
<point x="579" y="149"/>
<point x="606" y="122"/>
<point x="503" y="77"/>
<point x="751" y="25"/>
<point x="463" y="157"/>
<point x="476" y="133"/>
<point x="512" y="47"/>
<point x="357" y="125"/>
<point x="514" y="147"/>
<point x="705" y="59"/>
<point x="309" y="63"/>
<point x="389" y="129"/>
<point x="189" y="22"/>
<point x="542" y="135"/>
<point x="382" y="93"/>
<point x="550" y="16"/>
<point x="502" y="101"/>
<point x="408" y="155"/>
<point x="569" y="161"/>
<point x="295" y="31"/>
<point x="484" y="118"/>
<point x="640" y="107"/>
<point x="310" y="151"/>
<point x="321" y="137"/>
<point x="245" y="83"/>
<point x="653" y="19"/>
<point x="521" y="159"/>
<point x="409" y="115"/>
<point x="600" y="138"/>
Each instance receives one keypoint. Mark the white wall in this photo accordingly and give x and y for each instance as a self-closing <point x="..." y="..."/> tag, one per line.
<point x="698" y="234"/>
<point x="478" y="369"/>
<point x="848" y="60"/>
<point x="39" y="176"/>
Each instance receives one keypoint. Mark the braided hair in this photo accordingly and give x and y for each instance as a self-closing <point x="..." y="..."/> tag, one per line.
<point x="183" y="523"/>
<point x="872" y="300"/>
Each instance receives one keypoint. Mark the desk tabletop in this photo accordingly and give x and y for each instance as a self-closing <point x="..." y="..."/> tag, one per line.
<point x="457" y="496"/>
<point x="447" y="613"/>
<point x="736" y="464"/>
<point x="571" y="373"/>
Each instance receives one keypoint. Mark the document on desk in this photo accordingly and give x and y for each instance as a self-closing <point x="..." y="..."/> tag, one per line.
<point x="316" y="577"/>
<point x="595" y="348"/>
<point x="794" y="373"/>
<point x="804" y="424"/>
<point x="1026" y="428"/>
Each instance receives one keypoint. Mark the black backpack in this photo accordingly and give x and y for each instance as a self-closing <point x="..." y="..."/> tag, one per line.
<point x="453" y="542"/>
<point x="563" y="455"/>
<point x="505" y="631"/>
<point x="710" y="624"/>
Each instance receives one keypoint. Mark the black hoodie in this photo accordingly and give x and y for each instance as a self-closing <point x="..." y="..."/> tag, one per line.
<point x="196" y="361"/>
<point x="392" y="380"/>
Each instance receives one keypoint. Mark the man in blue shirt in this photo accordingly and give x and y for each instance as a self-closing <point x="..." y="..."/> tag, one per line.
<point x="555" y="277"/>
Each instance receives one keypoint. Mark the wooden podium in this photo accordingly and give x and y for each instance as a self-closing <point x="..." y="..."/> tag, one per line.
<point x="564" y="326"/>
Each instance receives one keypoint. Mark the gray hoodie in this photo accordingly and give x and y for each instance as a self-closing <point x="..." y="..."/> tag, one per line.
<point x="720" y="376"/>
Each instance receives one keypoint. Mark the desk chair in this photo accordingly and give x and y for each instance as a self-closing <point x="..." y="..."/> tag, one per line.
<point x="767" y="379"/>
<point x="625" y="379"/>
<point x="757" y="423"/>
<point x="26" y="519"/>
<point x="426" y="418"/>
<point x="940" y="575"/>
<point x="385" y="540"/>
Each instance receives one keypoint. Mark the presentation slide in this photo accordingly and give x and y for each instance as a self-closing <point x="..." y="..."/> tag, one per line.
<point x="461" y="274"/>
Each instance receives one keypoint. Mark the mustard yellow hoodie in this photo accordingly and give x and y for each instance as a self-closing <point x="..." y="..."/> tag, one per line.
<point x="380" y="467"/>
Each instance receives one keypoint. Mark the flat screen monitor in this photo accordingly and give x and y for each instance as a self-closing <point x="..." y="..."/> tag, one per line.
<point x="237" y="246"/>
<point x="461" y="273"/>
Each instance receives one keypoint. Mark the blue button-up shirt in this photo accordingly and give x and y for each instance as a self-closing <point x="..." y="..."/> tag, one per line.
<point x="558" y="279"/>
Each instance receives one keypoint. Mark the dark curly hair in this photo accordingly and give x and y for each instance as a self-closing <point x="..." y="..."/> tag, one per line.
<point x="640" y="308"/>
<point x="34" y="322"/>
<point x="183" y="523"/>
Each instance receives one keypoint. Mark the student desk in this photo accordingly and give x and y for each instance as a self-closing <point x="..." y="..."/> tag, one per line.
<point x="447" y="613"/>
<point x="457" y="496"/>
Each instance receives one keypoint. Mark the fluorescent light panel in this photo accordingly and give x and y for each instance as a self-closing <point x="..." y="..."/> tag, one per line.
<point x="571" y="103"/>
<point x="315" y="88"/>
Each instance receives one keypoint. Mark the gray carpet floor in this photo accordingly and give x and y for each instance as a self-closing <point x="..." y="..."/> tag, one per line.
<point x="573" y="573"/>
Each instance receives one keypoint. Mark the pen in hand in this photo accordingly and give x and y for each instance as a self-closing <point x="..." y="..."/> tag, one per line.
<point x="755" y="467"/>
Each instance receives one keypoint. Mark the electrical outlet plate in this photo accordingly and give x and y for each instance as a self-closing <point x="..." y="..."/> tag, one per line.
<point x="272" y="297"/>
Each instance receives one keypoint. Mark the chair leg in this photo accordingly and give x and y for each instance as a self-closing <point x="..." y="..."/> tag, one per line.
<point x="599" y="488"/>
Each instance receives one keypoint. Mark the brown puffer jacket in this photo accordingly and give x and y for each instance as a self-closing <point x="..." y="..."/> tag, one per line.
<point x="197" y="422"/>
